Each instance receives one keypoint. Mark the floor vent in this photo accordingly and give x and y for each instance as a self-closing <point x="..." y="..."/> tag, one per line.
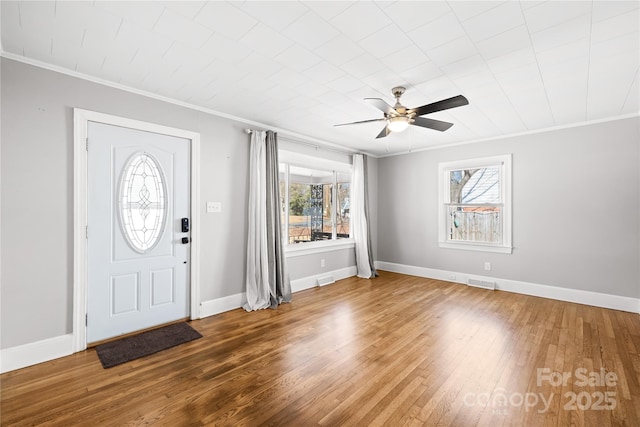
<point x="326" y="280"/>
<point x="482" y="284"/>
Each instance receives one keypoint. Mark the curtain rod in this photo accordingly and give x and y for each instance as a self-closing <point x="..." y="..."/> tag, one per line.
<point x="310" y="144"/>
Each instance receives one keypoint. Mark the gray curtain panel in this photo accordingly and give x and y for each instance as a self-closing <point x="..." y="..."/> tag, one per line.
<point x="267" y="282"/>
<point x="279" y="284"/>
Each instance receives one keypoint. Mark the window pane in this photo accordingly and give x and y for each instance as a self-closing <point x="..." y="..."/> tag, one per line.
<point x="475" y="186"/>
<point x="309" y="211"/>
<point x="475" y="224"/>
<point x="342" y="211"/>
<point x="299" y="219"/>
<point x="321" y="224"/>
<point x="309" y="205"/>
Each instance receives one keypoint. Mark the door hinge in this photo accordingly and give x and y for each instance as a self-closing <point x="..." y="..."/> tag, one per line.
<point x="86" y="232"/>
<point x="86" y="144"/>
<point x="86" y="320"/>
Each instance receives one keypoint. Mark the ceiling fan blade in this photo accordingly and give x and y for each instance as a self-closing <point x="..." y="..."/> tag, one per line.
<point x="381" y="105"/>
<point x="445" y="104"/>
<point x="431" y="124"/>
<point x="386" y="131"/>
<point x="362" y="121"/>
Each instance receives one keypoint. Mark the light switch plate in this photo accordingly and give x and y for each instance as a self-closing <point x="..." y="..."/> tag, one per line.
<point x="214" y="207"/>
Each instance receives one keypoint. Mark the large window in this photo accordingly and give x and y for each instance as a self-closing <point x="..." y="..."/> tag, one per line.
<point x="314" y="203"/>
<point x="475" y="204"/>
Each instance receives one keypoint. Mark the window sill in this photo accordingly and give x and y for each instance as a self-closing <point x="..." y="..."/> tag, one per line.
<point x="310" y="248"/>
<point x="476" y="247"/>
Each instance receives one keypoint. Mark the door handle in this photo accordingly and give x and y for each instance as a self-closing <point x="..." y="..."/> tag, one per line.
<point x="185" y="240"/>
<point x="185" y="225"/>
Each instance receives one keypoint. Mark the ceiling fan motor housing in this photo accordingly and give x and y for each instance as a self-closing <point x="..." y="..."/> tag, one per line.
<point x="398" y="91"/>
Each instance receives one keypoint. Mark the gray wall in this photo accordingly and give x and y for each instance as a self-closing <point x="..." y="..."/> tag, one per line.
<point x="309" y="265"/>
<point x="37" y="195"/>
<point x="576" y="210"/>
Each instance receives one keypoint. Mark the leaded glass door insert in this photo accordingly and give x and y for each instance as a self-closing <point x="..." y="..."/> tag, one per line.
<point x="142" y="202"/>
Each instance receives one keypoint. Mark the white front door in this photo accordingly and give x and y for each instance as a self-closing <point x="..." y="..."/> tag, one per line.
<point x="138" y="237"/>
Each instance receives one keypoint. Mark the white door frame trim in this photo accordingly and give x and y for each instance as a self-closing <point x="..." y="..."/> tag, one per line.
<point x="81" y="119"/>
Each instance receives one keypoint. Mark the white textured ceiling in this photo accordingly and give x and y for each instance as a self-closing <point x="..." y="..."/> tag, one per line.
<point x="304" y="66"/>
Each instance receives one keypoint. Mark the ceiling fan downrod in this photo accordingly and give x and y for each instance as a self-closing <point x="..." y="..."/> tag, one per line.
<point x="397" y="92"/>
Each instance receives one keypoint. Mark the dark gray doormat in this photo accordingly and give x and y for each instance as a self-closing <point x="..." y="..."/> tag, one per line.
<point x="126" y="349"/>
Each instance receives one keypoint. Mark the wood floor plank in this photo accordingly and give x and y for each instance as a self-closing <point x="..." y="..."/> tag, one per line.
<point x="393" y="351"/>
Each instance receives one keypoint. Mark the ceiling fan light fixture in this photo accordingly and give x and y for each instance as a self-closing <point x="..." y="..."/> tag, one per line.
<point x="398" y="124"/>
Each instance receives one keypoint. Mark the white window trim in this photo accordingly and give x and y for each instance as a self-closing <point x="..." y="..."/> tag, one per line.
<point x="444" y="168"/>
<point x="320" y="246"/>
<point x="305" y="161"/>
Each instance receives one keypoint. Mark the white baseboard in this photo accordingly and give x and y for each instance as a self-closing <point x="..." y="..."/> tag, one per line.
<point x="231" y="302"/>
<point x="595" y="299"/>
<point x="53" y="348"/>
<point x="220" y="305"/>
<point x="36" y="352"/>
<point x="312" y="281"/>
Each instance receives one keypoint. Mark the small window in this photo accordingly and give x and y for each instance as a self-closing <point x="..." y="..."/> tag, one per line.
<point x="142" y="202"/>
<point x="475" y="204"/>
<point x="314" y="203"/>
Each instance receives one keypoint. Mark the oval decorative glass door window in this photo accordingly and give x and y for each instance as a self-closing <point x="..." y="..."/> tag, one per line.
<point x="142" y="202"/>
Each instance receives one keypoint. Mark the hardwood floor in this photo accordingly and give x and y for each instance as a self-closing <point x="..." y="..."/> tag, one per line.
<point x="397" y="350"/>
